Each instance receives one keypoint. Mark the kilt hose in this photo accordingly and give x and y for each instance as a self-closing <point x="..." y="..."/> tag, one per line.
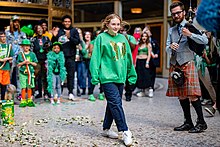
<point x="191" y="86"/>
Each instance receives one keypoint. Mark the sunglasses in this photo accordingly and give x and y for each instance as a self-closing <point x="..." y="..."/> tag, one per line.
<point x="177" y="13"/>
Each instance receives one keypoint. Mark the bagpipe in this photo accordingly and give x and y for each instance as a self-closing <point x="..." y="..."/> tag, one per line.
<point x="194" y="46"/>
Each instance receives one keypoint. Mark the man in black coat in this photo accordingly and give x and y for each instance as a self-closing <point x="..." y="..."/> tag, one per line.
<point x="69" y="37"/>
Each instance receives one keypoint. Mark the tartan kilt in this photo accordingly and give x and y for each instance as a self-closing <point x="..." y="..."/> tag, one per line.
<point x="191" y="86"/>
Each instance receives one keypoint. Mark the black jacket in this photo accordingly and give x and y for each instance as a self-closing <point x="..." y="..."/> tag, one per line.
<point x="36" y="47"/>
<point x="155" y="50"/>
<point x="69" y="47"/>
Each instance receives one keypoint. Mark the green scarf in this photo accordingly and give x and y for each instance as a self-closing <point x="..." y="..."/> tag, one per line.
<point x="52" y="57"/>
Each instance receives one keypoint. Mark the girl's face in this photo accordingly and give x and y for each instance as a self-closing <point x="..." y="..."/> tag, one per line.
<point x="3" y="38"/>
<point x="114" y="25"/>
<point x="26" y="48"/>
<point x="144" y="37"/>
<point x="87" y="36"/>
<point x="39" y="30"/>
<point x="56" y="49"/>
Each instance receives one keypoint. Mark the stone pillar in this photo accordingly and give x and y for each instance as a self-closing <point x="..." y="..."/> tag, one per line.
<point x="50" y="17"/>
<point x="118" y="8"/>
<point x="165" y="72"/>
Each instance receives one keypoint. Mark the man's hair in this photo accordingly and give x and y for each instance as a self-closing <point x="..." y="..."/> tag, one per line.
<point x="42" y="21"/>
<point x="66" y="16"/>
<point x="2" y="32"/>
<point x="176" y="4"/>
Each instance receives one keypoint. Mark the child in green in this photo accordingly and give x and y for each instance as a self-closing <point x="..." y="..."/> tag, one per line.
<point x="56" y="71"/>
<point x="6" y="55"/>
<point x="26" y="61"/>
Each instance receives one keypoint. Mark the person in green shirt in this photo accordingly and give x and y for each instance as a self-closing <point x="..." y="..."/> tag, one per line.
<point x="132" y="42"/>
<point x="87" y="57"/>
<point x="6" y="54"/>
<point x="26" y="62"/>
<point x="110" y="65"/>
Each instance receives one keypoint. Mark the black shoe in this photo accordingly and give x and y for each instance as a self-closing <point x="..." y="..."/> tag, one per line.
<point x="128" y="98"/>
<point x="200" y="127"/>
<point x="78" y="93"/>
<point x="184" y="127"/>
<point x="83" y="91"/>
<point x="38" y="96"/>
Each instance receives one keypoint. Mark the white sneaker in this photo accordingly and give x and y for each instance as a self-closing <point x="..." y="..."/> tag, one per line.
<point x="126" y="136"/>
<point x="71" y="97"/>
<point x="140" y="94"/>
<point x="56" y="96"/>
<point x="52" y="101"/>
<point x="58" y="101"/>
<point x="110" y="134"/>
<point x="151" y="92"/>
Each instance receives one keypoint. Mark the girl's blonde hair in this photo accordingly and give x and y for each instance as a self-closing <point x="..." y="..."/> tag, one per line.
<point x="108" y="18"/>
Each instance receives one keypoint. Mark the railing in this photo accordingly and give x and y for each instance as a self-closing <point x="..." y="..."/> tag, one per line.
<point x="56" y="3"/>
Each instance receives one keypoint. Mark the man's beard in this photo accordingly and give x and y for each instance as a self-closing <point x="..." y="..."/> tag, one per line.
<point x="178" y="20"/>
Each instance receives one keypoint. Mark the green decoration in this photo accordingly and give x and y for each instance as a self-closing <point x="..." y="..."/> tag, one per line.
<point x="28" y="30"/>
<point x="52" y="57"/>
<point x="41" y="50"/>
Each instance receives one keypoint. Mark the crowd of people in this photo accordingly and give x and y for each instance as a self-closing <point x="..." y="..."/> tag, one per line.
<point x="77" y="48"/>
<point x="43" y="61"/>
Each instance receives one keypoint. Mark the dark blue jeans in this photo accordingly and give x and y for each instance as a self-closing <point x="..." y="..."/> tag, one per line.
<point x="113" y="93"/>
<point x="81" y="74"/>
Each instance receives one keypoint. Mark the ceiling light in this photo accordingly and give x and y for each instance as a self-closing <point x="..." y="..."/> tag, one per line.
<point x="136" y="10"/>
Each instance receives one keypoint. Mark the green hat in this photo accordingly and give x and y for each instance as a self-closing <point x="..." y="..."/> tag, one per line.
<point x="25" y="42"/>
<point x="15" y="17"/>
<point x="59" y="44"/>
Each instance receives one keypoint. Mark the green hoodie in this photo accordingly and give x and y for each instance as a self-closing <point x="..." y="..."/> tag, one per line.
<point x="111" y="60"/>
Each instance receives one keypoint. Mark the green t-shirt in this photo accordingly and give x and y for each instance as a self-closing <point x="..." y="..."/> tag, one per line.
<point x="5" y="52"/>
<point x="111" y="60"/>
<point x="30" y="57"/>
<point x="131" y="39"/>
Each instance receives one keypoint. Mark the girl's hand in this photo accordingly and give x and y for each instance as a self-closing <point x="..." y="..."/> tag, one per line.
<point x="204" y="54"/>
<point x="54" y="31"/>
<point x="147" y="65"/>
<point x="27" y="62"/>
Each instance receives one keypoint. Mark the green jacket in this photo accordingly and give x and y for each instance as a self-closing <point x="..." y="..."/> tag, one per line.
<point x="111" y="60"/>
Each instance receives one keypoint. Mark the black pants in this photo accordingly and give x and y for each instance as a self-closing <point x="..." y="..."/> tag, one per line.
<point x="3" y="90"/>
<point x="153" y="75"/>
<point x="41" y="78"/>
<point x="14" y="77"/>
<point x="129" y="89"/>
<point x="70" y="68"/>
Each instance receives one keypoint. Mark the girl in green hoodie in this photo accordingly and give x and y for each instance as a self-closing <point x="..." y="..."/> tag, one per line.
<point x="110" y="65"/>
